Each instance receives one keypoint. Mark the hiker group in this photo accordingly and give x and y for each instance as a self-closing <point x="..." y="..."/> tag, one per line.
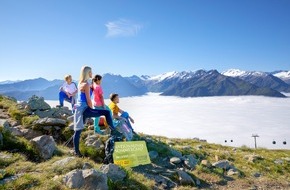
<point x="87" y="101"/>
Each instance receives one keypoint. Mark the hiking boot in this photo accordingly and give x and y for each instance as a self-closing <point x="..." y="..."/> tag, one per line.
<point x="78" y="154"/>
<point x="59" y="106"/>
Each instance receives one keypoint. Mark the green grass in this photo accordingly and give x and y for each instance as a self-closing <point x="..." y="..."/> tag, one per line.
<point x="27" y="121"/>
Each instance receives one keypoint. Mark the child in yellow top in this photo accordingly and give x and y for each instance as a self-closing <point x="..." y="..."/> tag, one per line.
<point x="116" y="110"/>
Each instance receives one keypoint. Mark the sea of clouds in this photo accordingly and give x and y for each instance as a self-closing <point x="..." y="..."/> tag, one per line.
<point x="215" y="119"/>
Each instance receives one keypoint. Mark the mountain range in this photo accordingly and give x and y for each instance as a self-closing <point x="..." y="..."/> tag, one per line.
<point x="184" y="84"/>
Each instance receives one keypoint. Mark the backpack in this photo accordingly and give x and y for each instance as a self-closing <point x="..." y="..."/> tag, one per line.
<point x="110" y="146"/>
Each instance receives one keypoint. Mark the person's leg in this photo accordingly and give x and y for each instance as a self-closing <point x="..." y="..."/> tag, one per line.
<point x="73" y="100"/>
<point x="61" y="97"/>
<point x="96" y="123"/>
<point x="125" y="115"/>
<point x="89" y="112"/>
<point x="76" y="140"/>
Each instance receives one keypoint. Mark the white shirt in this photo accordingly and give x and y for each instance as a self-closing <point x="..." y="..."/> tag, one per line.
<point x="70" y="88"/>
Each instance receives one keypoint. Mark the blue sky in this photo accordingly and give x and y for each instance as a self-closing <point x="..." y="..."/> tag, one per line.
<point x="50" y="38"/>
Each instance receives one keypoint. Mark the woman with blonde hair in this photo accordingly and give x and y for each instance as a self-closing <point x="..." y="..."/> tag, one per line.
<point x="84" y="108"/>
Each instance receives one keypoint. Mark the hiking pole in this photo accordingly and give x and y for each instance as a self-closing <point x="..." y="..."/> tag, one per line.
<point x="68" y="141"/>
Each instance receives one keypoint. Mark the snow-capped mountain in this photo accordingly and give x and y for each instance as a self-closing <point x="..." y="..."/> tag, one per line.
<point x="184" y="84"/>
<point x="283" y="75"/>
<point x="204" y="83"/>
<point x="240" y="73"/>
<point x="261" y="79"/>
<point x="184" y="75"/>
<point x="8" y="82"/>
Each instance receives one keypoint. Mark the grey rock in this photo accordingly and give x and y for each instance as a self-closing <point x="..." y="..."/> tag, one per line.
<point x="63" y="162"/>
<point x="95" y="180"/>
<point x="16" y="131"/>
<point x="175" y="153"/>
<point x="114" y="172"/>
<point x="30" y="133"/>
<point x="37" y="103"/>
<point x="45" y="145"/>
<point x="190" y="161"/>
<point x="184" y="178"/>
<point x="50" y="122"/>
<point x="62" y="113"/>
<point x="10" y="179"/>
<point x="175" y="160"/>
<point x="94" y="141"/>
<point x="233" y="171"/>
<point x="74" y="179"/>
<point x="47" y="128"/>
<point x="87" y="166"/>
<point x="5" y="124"/>
<point x="224" y="164"/>
<point x="43" y="114"/>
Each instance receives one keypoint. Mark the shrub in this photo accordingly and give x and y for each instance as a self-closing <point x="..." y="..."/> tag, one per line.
<point x="18" y="143"/>
<point x="28" y="120"/>
<point x="16" y="114"/>
<point x="6" y="102"/>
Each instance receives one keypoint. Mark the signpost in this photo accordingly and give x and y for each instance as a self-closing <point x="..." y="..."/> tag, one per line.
<point x="131" y="153"/>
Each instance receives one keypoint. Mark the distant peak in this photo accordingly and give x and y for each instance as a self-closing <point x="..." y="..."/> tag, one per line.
<point x="234" y="72"/>
<point x="282" y="74"/>
<point x="241" y="73"/>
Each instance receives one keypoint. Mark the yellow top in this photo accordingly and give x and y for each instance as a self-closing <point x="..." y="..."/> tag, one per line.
<point x="114" y="108"/>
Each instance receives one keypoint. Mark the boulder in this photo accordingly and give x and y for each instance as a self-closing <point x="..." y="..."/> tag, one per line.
<point x="114" y="172"/>
<point x="43" y="114"/>
<point x="185" y="178"/>
<point x="49" y="122"/>
<point x="175" y="160"/>
<point x="224" y="164"/>
<point x="30" y="133"/>
<point x="37" y="103"/>
<point x="74" y="179"/>
<point x="45" y="145"/>
<point x="190" y="161"/>
<point x="5" y="124"/>
<point x="94" y="179"/>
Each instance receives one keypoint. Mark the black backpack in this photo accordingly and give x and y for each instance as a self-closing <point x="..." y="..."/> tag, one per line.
<point x="110" y="146"/>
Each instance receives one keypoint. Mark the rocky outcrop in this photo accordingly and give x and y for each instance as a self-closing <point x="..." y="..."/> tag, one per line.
<point x="45" y="145"/>
<point x="37" y="103"/>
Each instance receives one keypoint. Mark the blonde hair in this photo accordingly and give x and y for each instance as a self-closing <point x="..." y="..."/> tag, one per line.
<point x="85" y="74"/>
<point x="66" y="77"/>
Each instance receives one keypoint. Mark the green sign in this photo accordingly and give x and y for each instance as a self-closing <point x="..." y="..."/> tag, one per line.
<point x="131" y="153"/>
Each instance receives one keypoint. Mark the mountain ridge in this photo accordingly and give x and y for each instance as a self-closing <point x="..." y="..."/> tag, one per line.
<point x="185" y="84"/>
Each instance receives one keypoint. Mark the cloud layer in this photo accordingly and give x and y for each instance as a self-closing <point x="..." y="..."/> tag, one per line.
<point x="215" y="119"/>
<point x="122" y="28"/>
